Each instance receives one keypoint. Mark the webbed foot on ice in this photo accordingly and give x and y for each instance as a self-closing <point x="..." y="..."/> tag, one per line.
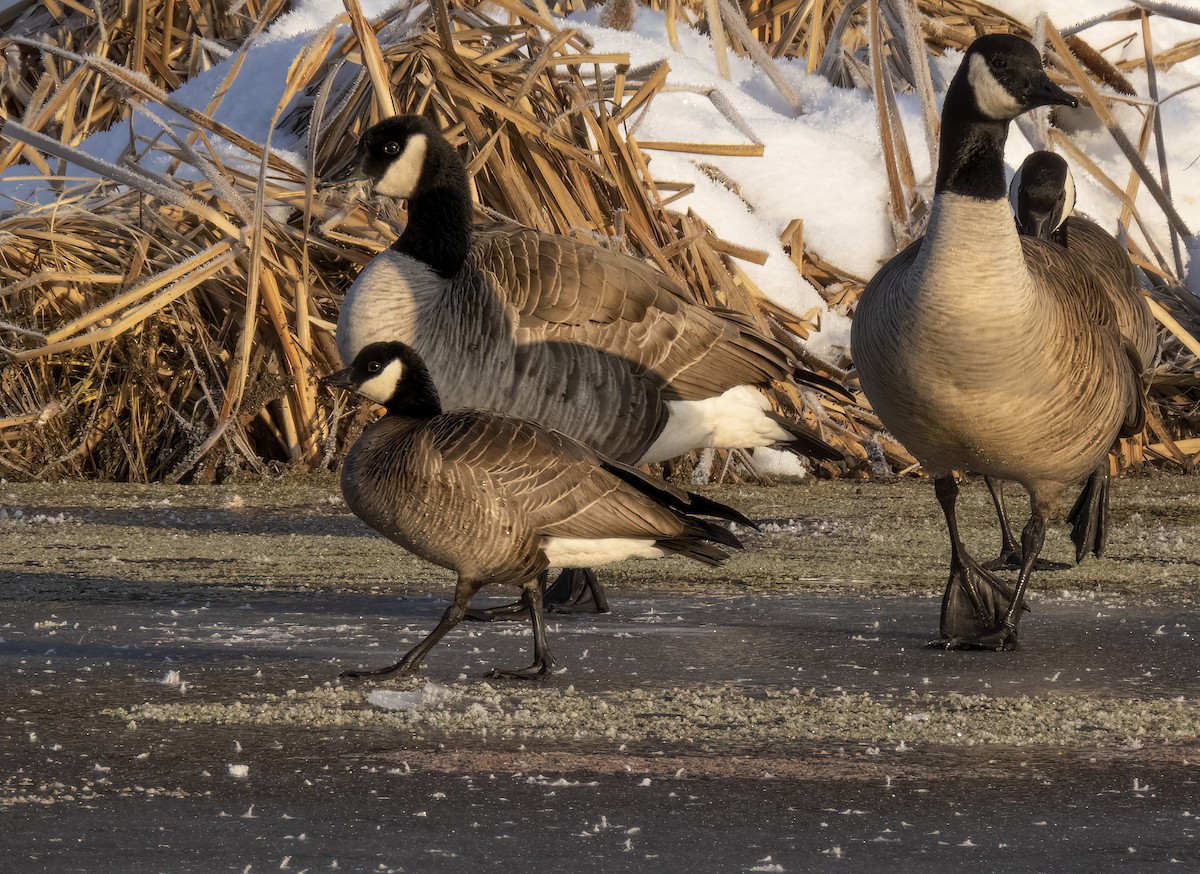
<point x="576" y="591"/>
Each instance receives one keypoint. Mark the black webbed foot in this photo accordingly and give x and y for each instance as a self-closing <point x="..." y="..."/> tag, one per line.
<point x="399" y="669"/>
<point x="1003" y="640"/>
<point x="514" y="612"/>
<point x="536" y="671"/>
<point x="1089" y="516"/>
<point x="974" y="608"/>
<point x="576" y="591"/>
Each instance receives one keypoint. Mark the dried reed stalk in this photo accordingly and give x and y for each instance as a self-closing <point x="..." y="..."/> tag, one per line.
<point x="161" y="328"/>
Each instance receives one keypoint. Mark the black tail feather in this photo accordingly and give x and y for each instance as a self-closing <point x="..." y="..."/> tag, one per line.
<point x="682" y="501"/>
<point x="823" y="383"/>
<point x="712" y="531"/>
<point x="804" y="442"/>
<point x="694" y="549"/>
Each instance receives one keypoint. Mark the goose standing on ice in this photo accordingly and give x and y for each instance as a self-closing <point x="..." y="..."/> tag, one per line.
<point x="498" y="499"/>
<point x="1042" y="197"/>
<point x="586" y="341"/>
<point x="972" y="342"/>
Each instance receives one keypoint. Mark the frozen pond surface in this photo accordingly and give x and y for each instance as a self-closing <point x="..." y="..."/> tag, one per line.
<point x="779" y="714"/>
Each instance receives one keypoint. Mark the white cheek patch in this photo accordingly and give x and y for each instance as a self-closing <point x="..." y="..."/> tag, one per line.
<point x="404" y="173"/>
<point x="1068" y="198"/>
<point x="382" y="385"/>
<point x="991" y="97"/>
<point x="1013" y="188"/>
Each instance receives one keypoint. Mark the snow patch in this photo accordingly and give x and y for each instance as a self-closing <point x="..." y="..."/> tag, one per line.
<point x="427" y="696"/>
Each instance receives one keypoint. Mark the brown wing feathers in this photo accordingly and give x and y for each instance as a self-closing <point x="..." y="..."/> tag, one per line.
<point x="585" y="294"/>
<point x="566" y="489"/>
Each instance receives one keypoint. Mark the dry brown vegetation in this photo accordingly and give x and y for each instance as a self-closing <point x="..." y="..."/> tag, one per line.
<point x="170" y="323"/>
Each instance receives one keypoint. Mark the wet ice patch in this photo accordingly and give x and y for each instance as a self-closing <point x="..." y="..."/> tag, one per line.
<point x="428" y="695"/>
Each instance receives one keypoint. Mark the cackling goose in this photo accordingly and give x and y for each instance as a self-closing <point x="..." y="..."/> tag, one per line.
<point x="498" y="499"/>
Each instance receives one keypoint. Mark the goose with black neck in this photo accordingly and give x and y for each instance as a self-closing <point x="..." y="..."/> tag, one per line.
<point x="970" y="342"/>
<point x="1042" y="197"/>
<point x="587" y="341"/>
<point x="498" y="499"/>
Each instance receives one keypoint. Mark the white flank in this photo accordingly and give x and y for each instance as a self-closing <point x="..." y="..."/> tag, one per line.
<point x="404" y="173"/>
<point x="991" y="97"/>
<point x="583" y="552"/>
<point x="382" y="385"/>
<point x="735" y="420"/>
<point x="384" y="302"/>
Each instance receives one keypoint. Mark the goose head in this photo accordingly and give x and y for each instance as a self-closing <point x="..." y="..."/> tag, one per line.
<point x="1042" y="194"/>
<point x="402" y="157"/>
<point x="392" y="375"/>
<point x="1004" y="76"/>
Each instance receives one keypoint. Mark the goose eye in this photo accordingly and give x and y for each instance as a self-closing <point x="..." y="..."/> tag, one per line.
<point x="391" y="148"/>
<point x="374" y="367"/>
<point x="999" y="62"/>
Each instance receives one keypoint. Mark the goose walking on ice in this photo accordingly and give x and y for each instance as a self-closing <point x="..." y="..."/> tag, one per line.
<point x="498" y="499"/>
<point x="971" y="343"/>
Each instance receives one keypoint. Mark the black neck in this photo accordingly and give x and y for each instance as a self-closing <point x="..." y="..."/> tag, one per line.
<point x="439" y="217"/>
<point x="971" y="156"/>
<point x="414" y="408"/>
<point x="416" y="397"/>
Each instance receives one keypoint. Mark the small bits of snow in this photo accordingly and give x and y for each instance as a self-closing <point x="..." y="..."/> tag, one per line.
<point x="767" y="864"/>
<point x="16" y="514"/>
<point x="240" y="772"/>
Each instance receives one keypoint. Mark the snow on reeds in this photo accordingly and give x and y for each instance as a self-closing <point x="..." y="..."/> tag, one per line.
<point x="167" y="317"/>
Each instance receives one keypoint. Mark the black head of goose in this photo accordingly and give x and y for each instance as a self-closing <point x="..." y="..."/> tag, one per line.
<point x="587" y="341"/>
<point x="498" y="499"/>
<point x="969" y="344"/>
<point x="1042" y="197"/>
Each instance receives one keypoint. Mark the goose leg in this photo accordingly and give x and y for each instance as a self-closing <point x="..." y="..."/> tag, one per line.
<point x="1089" y="516"/>
<point x="1010" y="552"/>
<point x="463" y="593"/>
<point x="1032" y="537"/>
<point x="531" y="595"/>
<point x="575" y="591"/>
<point x="975" y="600"/>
